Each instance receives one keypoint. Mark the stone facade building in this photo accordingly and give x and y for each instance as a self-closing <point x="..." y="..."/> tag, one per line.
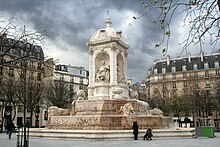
<point x="171" y="78"/>
<point x="76" y="77"/>
<point x="18" y="59"/>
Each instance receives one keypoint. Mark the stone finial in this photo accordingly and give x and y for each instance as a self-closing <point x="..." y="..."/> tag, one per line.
<point x="108" y="22"/>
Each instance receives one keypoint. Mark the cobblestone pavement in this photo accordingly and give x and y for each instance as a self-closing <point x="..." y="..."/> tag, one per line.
<point x="156" y="142"/>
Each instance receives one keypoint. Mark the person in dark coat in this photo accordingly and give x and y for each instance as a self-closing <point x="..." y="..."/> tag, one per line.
<point x="135" y="130"/>
<point x="148" y="134"/>
<point x="10" y="128"/>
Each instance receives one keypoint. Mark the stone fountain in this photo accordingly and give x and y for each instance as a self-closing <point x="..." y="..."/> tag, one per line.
<point x="108" y="106"/>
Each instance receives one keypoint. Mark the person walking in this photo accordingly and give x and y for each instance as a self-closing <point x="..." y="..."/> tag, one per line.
<point x="10" y="128"/>
<point x="135" y="130"/>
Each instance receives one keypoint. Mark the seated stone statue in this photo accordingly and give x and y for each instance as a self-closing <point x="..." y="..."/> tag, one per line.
<point x="103" y="73"/>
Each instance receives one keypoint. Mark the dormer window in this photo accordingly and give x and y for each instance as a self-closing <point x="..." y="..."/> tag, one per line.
<point x="206" y="65"/>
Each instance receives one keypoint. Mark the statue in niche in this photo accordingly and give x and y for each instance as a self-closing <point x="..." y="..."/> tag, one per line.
<point x="103" y="73"/>
<point x="120" y="76"/>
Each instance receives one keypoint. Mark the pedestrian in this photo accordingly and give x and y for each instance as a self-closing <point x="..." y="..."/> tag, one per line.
<point x="148" y="134"/>
<point x="135" y="130"/>
<point x="10" y="128"/>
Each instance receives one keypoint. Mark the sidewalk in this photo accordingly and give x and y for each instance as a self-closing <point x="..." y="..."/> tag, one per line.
<point x="156" y="142"/>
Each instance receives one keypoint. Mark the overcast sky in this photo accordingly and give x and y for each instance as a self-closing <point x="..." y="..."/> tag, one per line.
<point x="70" y="24"/>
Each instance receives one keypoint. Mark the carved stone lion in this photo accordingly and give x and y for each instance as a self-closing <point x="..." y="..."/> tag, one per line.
<point x="81" y="95"/>
<point x="55" y="111"/>
<point x="156" y="111"/>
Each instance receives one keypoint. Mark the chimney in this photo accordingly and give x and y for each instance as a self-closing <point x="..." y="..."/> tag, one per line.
<point x="202" y="56"/>
<point x="4" y="35"/>
<point x="189" y="57"/>
<point x="168" y="60"/>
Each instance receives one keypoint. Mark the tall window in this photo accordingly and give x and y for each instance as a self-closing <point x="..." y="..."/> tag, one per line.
<point x="164" y="77"/>
<point x="196" y="75"/>
<point x="39" y="76"/>
<point x="81" y="81"/>
<point x="206" y="65"/>
<point x="164" y="94"/>
<point x="216" y="64"/>
<point x="155" y="71"/>
<point x="174" y="84"/>
<point x="196" y="83"/>
<point x="173" y="69"/>
<point x="184" y="68"/>
<point x="1" y="70"/>
<point x="164" y="86"/>
<point x="174" y="77"/>
<point x="206" y="73"/>
<point x="11" y="72"/>
<point x="174" y="93"/>
<point x="207" y="83"/>
<point x="163" y="70"/>
<point x="195" y="66"/>
<point x="184" y="76"/>
<point x="217" y="72"/>
<point x="185" y="84"/>
<point x="62" y="77"/>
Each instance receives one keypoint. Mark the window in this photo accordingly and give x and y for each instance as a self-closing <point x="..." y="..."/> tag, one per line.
<point x="62" y="77"/>
<point x="164" y="86"/>
<point x="164" y="94"/>
<point x="20" y="108"/>
<point x="39" y="66"/>
<point x="31" y="75"/>
<point x="173" y="69"/>
<point x="206" y="73"/>
<point x="185" y="84"/>
<point x="164" y="77"/>
<point x="72" y="80"/>
<point x="71" y="87"/>
<point x="217" y="72"/>
<point x="11" y="72"/>
<point x="174" y="77"/>
<point x="39" y="76"/>
<point x="163" y="70"/>
<point x="174" y="84"/>
<point x="80" y="87"/>
<point x="174" y="93"/>
<point x="81" y="81"/>
<point x="195" y="66"/>
<point x="80" y="72"/>
<point x="197" y="84"/>
<point x="1" y="70"/>
<point x="155" y="71"/>
<point x="207" y="83"/>
<point x="196" y="75"/>
<point x="206" y="65"/>
<point x="184" y="68"/>
<point x="216" y="64"/>
<point x="184" y="76"/>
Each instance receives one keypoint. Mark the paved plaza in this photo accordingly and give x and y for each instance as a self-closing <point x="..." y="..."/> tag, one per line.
<point x="156" y="142"/>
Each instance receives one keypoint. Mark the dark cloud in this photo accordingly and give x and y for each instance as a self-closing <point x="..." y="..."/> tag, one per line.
<point x="74" y="21"/>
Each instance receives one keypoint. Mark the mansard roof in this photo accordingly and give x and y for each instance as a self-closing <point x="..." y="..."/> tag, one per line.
<point x="185" y="61"/>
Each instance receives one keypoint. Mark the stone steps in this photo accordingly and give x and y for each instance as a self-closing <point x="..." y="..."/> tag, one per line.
<point x="108" y="134"/>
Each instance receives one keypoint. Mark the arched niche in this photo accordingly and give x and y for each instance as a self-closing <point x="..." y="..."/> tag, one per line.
<point x="120" y="68"/>
<point x="102" y="67"/>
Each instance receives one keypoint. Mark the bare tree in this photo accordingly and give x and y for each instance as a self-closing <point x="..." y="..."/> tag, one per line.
<point x="19" y="46"/>
<point x="202" y="17"/>
<point x="8" y="99"/>
<point x="58" y="94"/>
